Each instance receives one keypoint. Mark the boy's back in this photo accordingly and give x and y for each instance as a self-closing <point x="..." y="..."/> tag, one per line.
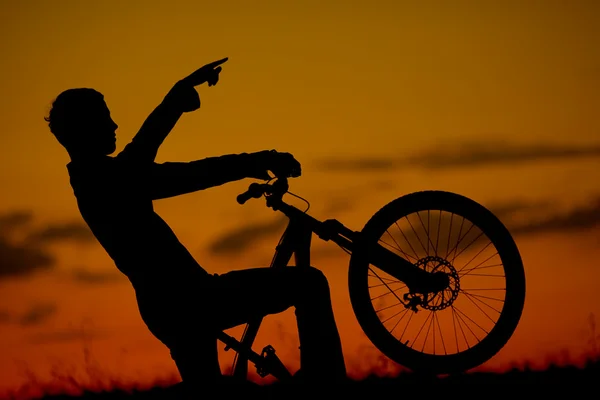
<point x="114" y="200"/>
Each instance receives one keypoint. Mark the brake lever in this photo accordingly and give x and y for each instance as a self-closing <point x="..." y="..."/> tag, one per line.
<point x="275" y="195"/>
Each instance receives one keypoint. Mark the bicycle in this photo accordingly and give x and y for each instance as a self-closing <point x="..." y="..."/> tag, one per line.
<point x="432" y="282"/>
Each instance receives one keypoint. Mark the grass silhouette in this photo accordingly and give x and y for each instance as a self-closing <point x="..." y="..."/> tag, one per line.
<point x="574" y="377"/>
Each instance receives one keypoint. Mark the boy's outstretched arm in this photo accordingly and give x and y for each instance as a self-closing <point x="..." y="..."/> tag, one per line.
<point x="153" y="132"/>
<point x="181" y="98"/>
<point x="175" y="178"/>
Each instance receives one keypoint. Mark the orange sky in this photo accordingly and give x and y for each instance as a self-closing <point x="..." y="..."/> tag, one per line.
<point x="514" y="87"/>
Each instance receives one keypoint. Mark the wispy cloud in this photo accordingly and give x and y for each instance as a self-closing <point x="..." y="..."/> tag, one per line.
<point x="241" y="239"/>
<point x="14" y="220"/>
<point x="70" y="231"/>
<point x="344" y="200"/>
<point x="93" y="277"/>
<point x="469" y="154"/>
<point x="577" y="219"/>
<point x="18" y="258"/>
<point x="494" y="153"/>
<point x="35" y="315"/>
<point x="509" y="210"/>
<point x="24" y="247"/>
<point x="522" y="217"/>
<point x="21" y="260"/>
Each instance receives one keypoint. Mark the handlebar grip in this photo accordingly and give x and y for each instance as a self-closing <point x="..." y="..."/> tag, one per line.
<point x="244" y="197"/>
<point x="254" y="191"/>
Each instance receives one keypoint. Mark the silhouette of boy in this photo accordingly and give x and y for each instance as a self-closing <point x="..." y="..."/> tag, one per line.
<point x="181" y="303"/>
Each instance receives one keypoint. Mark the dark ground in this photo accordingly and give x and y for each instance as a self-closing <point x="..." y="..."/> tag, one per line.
<point x="571" y="380"/>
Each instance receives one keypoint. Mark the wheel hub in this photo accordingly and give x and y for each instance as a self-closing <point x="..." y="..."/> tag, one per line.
<point x="439" y="300"/>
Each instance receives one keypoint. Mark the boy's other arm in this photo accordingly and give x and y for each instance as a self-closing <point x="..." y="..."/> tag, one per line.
<point x="175" y="178"/>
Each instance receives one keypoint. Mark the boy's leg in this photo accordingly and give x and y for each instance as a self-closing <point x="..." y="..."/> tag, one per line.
<point x="171" y="312"/>
<point x="245" y="294"/>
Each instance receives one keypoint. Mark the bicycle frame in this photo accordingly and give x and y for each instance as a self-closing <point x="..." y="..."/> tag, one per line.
<point x="296" y="240"/>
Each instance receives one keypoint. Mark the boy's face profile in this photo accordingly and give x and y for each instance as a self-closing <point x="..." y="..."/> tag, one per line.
<point x="95" y="128"/>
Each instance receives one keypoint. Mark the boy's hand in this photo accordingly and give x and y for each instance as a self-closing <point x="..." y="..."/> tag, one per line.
<point x="184" y="96"/>
<point x="208" y="73"/>
<point x="282" y="165"/>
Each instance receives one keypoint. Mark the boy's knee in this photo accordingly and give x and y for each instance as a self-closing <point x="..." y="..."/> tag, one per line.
<point x="313" y="278"/>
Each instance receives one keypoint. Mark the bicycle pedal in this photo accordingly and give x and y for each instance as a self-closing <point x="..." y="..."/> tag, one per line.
<point x="271" y="364"/>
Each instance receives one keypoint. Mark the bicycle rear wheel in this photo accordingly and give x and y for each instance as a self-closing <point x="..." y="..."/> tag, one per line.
<point x="464" y="325"/>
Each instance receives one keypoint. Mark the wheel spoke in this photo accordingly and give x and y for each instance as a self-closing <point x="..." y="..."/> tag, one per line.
<point x="469" y="245"/>
<point x="437" y="240"/>
<point x="480" y="309"/>
<point x="385" y="294"/>
<point x="437" y="319"/>
<point x="455" y="256"/>
<point x="427" y="233"/>
<point x="427" y="333"/>
<point x="458" y="318"/>
<point x="478" y="267"/>
<point x="401" y="318"/>
<point x="420" y="330"/>
<point x="470" y="296"/>
<point x="475" y="323"/>
<point x="407" y="241"/>
<point x="397" y="248"/>
<point x="476" y="255"/>
<point x="398" y="313"/>
<point x="406" y="327"/>
<point x="401" y="302"/>
<point x="483" y="297"/>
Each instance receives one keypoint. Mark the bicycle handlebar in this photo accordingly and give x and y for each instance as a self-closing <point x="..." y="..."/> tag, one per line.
<point x="257" y="190"/>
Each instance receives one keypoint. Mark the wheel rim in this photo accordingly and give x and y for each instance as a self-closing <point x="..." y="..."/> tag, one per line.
<point x="460" y="327"/>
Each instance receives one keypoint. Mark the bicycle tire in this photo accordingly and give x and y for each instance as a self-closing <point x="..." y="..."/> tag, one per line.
<point x="507" y="250"/>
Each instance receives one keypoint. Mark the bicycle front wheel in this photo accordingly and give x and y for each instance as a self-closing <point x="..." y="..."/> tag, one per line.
<point x="462" y="326"/>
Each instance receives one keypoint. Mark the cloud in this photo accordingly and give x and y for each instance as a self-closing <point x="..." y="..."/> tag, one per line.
<point x="361" y="164"/>
<point x="87" y="276"/>
<point x="424" y="233"/>
<point x="35" y="315"/>
<point x="241" y="239"/>
<point x="14" y="220"/>
<point x="412" y="236"/>
<point x="19" y="258"/>
<point x="341" y="201"/>
<point x="515" y="206"/>
<point x="578" y="219"/>
<point x="23" y="248"/>
<point x="22" y="259"/>
<point x="73" y="231"/>
<point x="469" y="154"/>
<point x="493" y="153"/>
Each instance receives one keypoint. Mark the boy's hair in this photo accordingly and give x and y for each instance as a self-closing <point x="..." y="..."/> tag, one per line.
<point x="68" y="110"/>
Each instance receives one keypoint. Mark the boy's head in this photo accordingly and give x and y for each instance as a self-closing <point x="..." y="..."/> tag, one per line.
<point x="81" y="122"/>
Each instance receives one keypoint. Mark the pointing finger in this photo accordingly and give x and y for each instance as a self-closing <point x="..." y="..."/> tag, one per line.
<point x="216" y="63"/>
